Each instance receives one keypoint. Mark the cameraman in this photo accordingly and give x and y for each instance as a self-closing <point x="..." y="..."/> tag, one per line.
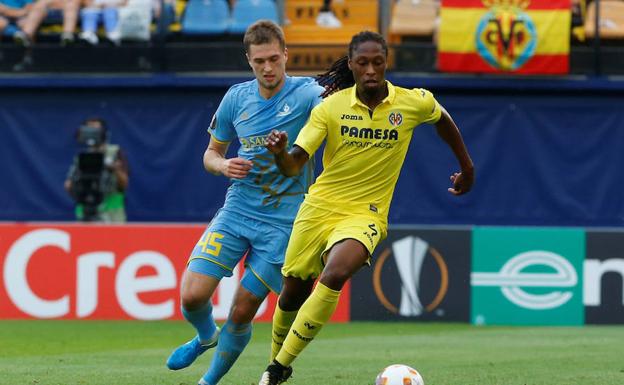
<point x="98" y="176"/>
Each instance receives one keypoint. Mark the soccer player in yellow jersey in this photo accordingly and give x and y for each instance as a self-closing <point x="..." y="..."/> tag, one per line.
<point x="367" y="129"/>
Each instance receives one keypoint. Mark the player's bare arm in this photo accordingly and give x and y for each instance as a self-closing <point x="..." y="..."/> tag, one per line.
<point x="216" y="163"/>
<point x="447" y="129"/>
<point x="288" y="162"/>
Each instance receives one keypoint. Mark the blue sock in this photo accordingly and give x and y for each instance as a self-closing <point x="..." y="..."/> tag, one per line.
<point x="232" y="341"/>
<point x="202" y="320"/>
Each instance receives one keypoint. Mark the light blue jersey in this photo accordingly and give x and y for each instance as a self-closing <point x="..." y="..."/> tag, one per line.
<point x="243" y="114"/>
<point x="256" y="220"/>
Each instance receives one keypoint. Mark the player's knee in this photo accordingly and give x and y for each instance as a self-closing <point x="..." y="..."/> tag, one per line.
<point x="242" y="314"/>
<point x="335" y="278"/>
<point x="292" y="300"/>
<point x="286" y="302"/>
<point x="294" y="293"/>
<point x="192" y="300"/>
<point x="245" y="307"/>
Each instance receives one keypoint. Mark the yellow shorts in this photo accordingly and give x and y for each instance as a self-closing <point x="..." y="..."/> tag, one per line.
<point x="316" y="230"/>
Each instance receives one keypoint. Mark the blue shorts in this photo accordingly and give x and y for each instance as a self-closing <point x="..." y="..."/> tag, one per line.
<point x="229" y="238"/>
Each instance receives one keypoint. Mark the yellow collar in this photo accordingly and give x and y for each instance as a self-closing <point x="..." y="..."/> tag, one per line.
<point x="389" y="98"/>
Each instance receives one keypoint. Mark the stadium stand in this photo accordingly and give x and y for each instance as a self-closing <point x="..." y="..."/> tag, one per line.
<point x="246" y="12"/>
<point x="579" y="10"/>
<point x="106" y="13"/>
<point x="413" y="19"/>
<point x="611" y="19"/>
<point x="206" y="17"/>
<point x="355" y="15"/>
<point x="41" y="13"/>
<point x="313" y="46"/>
<point x="193" y="26"/>
<point x="51" y="29"/>
<point x="179" y="6"/>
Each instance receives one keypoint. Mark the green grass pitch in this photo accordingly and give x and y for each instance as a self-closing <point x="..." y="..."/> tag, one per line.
<point x="134" y="353"/>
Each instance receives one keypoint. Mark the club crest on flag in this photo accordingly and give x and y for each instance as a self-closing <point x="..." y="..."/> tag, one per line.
<point x="506" y="36"/>
<point x="395" y="118"/>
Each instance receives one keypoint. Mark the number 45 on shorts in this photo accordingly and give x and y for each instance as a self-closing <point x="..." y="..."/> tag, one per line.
<point x="210" y="243"/>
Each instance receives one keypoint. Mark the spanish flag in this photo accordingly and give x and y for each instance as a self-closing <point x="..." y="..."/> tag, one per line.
<point x="505" y="36"/>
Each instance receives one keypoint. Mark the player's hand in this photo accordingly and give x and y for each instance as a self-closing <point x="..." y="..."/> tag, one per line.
<point x="462" y="182"/>
<point x="276" y="141"/>
<point x="236" y="168"/>
<point x="116" y="165"/>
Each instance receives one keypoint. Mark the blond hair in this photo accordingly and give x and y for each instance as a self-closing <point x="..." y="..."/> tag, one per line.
<point x="263" y="32"/>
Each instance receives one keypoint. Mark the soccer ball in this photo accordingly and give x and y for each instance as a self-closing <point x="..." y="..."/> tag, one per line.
<point x="399" y="375"/>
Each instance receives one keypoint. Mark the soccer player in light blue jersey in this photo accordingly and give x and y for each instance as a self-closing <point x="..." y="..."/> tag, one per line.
<point x="260" y="206"/>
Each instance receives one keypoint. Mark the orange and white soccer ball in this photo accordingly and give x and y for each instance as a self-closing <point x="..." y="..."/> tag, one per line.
<point x="399" y="375"/>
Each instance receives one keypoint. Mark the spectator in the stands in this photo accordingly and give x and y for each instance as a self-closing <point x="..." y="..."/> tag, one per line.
<point x="12" y="16"/>
<point x="578" y="9"/>
<point x="101" y="11"/>
<point x="326" y="17"/>
<point x="164" y="15"/>
<point x="65" y="11"/>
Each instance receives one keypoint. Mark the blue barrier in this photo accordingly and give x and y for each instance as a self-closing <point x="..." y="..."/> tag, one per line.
<point x="543" y="156"/>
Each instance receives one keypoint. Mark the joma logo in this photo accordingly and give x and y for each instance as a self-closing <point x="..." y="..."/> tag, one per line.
<point x="351" y="117"/>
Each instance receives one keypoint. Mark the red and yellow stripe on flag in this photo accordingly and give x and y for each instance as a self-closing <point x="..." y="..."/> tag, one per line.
<point x="505" y="36"/>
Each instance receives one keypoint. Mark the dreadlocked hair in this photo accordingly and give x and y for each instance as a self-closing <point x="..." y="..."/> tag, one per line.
<point x="338" y="77"/>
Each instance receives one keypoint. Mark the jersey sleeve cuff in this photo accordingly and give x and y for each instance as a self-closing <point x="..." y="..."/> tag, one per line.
<point x="438" y="114"/>
<point x="219" y="141"/>
<point x="304" y="147"/>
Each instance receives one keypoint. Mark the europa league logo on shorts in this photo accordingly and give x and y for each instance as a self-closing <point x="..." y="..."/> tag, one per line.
<point x="409" y="255"/>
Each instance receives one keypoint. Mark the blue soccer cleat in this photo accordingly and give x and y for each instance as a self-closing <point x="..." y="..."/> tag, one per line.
<point x="186" y="354"/>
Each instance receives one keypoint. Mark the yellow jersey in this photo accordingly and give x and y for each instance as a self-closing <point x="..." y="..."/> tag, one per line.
<point x="365" y="149"/>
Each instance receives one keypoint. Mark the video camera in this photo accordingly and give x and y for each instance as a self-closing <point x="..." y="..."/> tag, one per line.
<point x="88" y="179"/>
<point x="91" y="136"/>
